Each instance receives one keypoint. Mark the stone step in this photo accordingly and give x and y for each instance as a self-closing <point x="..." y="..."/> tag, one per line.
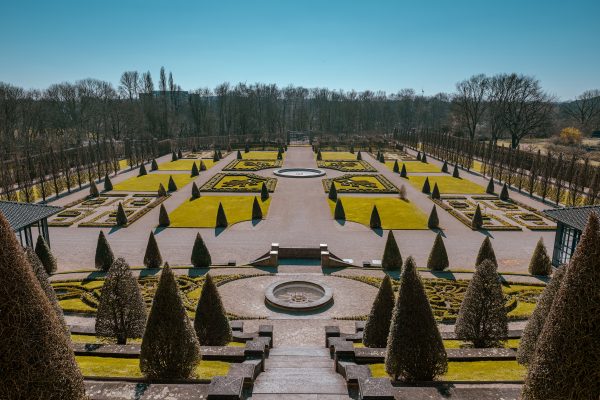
<point x="298" y="362"/>
<point x="299" y="397"/>
<point x="300" y="351"/>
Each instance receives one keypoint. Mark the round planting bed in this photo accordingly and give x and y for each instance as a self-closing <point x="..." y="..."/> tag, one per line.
<point x="297" y="295"/>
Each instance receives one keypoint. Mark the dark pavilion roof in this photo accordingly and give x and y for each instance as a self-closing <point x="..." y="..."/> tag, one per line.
<point x="20" y="215"/>
<point x="575" y="217"/>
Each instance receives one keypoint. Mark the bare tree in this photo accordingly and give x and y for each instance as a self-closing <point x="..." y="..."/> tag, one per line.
<point x="470" y="102"/>
<point x="585" y="110"/>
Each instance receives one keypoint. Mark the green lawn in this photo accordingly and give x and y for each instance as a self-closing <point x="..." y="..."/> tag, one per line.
<point x="130" y="367"/>
<point x="260" y="155"/>
<point x="414" y="166"/>
<point x="202" y="212"/>
<point x="184" y="165"/>
<point x="447" y="184"/>
<point x="150" y="182"/>
<point x="456" y="344"/>
<point x="337" y="155"/>
<point x="394" y="212"/>
<point x="472" y="371"/>
<point x="76" y="338"/>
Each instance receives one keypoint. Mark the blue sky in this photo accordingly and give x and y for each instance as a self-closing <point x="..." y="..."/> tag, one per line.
<point x="380" y="45"/>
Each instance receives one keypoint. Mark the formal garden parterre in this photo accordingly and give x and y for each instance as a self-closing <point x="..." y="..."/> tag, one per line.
<point x="357" y="183"/>
<point x="346" y="165"/>
<point x="252" y="165"/>
<point x="238" y="182"/>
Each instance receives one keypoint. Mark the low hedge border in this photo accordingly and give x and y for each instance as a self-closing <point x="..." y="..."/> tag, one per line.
<point x="339" y="165"/>
<point x="389" y="187"/>
<point x="462" y="218"/>
<point x="267" y="164"/>
<point x="138" y="213"/>
<point x="58" y="223"/>
<point x="209" y="186"/>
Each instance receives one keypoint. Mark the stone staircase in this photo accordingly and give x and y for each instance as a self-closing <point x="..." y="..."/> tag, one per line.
<point x="299" y="373"/>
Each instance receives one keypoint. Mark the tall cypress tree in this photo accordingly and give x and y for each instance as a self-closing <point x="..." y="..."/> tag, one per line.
<point x="104" y="255"/>
<point x="438" y="257"/>
<point x="256" y="210"/>
<point x="45" y="255"/>
<point x="375" y="222"/>
<point x="537" y="319"/>
<point x="482" y="316"/>
<point x="170" y="348"/>
<point x="221" y="218"/>
<point x="415" y="350"/>
<point x="121" y="310"/>
<point x="152" y="257"/>
<point x="486" y="252"/>
<point x="332" y="191"/>
<point x="36" y="358"/>
<point x="339" y="212"/>
<point x="211" y="323"/>
<point x="377" y="326"/>
<point x="200" y="254"/>
<point x="392" y="259"/>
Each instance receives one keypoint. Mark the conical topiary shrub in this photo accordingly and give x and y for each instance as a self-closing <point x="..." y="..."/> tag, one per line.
<point x="45" y="255"/>
<point x="170" y="348"/>
<point x="445" y="167"/>
<point x="163" y="217"/>
<point x="319" y="156"/>
<point x="211" y="323"/>
<point x="415" y="350"/>
<point x="94" y="189"/>
<point x="491" y="189"/>
<point x="403" y="173"/>
<point x="195" y="191"/>
<point x="154" y="165"/>
<point x="179" y="154"/>
<point x="482" y="316"/>
<point x="215" y="156"/>
<point x="540" y="263"/>
<point x="200" y="254"/>
<point x="257" y="213"/>
<point x="174" y="156"/>
<point x="565" y="362"/>
<point x="152" y="257"/>
<point x="161" y="190"/>
<point x="477" y="220"/>
<point x="108" y="186"/>
<point x="202" y="166"/>
<point x="426" y="186"/>
<point x="121" y="217"/>
<point x="419" y="156"/>
<point x="247" y="148"/>
<point x="433" y="222"/>
<point x="42" y="277"/>
<point x="438" y="257"/>
<point x="375" y="222"/>
<point x="339" y="213"/>
<point x="486" y="252"/>
<point x="121" y="310"/>
<point x="238" y="155"/>
<point x="359" y="156"/>
<point x="280" y="155"/>
<point x="382" y="158"/>
<point x="220" y="154"/>
<point x="352" y="149"/>
<point x="504" y="195"/>
<point x="104" y="255"/>
<point x="435" y="194"/>
<point x="195" y="171"/>
<point x="455" y="172"/>
<point x="424" y="158"/>
<point x="36" y="358"/>
<point x="332" y="192"/>
<point x="377" y="327"/>
<point x="221" y="218"/>
<point x="142" y="171"/>
<point x="396" y="168"/>
<point x="392" y="259"/>
<point x="537" y="319"/>
<point x="172" y="186"/>
<point x="264" y="192"/>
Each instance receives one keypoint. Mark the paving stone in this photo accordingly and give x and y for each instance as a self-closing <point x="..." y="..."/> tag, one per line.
<point x="225" y="388"/>
<point x="375" y="389"/>
<point x="98" y="390"/>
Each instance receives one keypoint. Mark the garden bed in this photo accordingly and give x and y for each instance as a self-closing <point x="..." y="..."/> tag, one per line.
<point x="232" y="182"/>
<point x="447" y="184"/>
<point x="252" y="165"/>
<point x="202" y="212"/>
<point x="185" y="164"/>
<point x="395" y="213"/>
<point x="151" y="182"/>
<point x="347" y="166"/>
<point x="413" y="166"/>
<point x="356" y="183"/>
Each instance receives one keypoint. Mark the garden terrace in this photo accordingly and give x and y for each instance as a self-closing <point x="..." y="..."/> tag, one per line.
<point x="151" y="182"/>
<point x="355" y="183"/>
<point x="413" y="166"/>
<point x="394" y="212"/>
<point x="231" y="182"/>
<point x="202" y="212"/>
<point x="260" y="155"/>
<point x="185" y="164"/>
<point x="252" y="165"/>
<point x="347" y="166"/>
<point x="447" y="184"/>
<point x="337" y="155"/>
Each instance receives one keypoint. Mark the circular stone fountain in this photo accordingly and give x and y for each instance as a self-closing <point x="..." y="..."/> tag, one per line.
<point x="299" y="172"/>
<point x="294" y="295"/>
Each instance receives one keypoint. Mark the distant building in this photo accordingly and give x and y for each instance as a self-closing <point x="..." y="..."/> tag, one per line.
<point x="24" y="216"/>
<point x="570" y="223"/>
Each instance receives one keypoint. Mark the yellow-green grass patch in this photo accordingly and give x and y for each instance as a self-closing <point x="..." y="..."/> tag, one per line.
<point x="123" y="164"/>
<point x="202" y="212"/>
<point x="130" y="367"/>
<point x="337" y="155"/>
<point x="151" y="182"/>
<point x="260" y="155"/>
<point x="78" y="338"/>
<point x="347" y="165"/>
<point x="414" y="166"/>
<point x="252" y="165"/>
<point x="395" y="213"/>
<point x="184" y="165"/>
<point x="458" y="344"/>
<point x="471" y="371"/>
<point x="447" y="184"/>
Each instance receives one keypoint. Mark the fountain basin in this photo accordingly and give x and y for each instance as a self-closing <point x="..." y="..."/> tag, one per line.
<point x="299" y="172"/>
<point x="297" y="295"/>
